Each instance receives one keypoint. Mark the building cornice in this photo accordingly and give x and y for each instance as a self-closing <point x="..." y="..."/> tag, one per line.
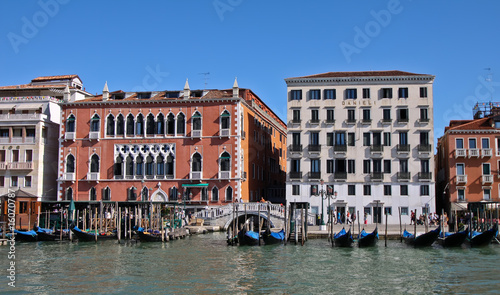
<point x="359" y="80"/>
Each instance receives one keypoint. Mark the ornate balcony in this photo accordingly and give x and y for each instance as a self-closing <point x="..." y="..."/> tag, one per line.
<point x="460" y="153"/>
<point x="195" y="175"/>
<point x="340" y="148"/>
<point x="314" y="175"/>
<point x="376" y="148"/>
<point x="377" y="176"/>
<point x="314" y="148"/>
<point x="224" y="174"/>
<point x="462" y="178"/>
<point x="314" y="121"/>
<point x="195" y="133"/>
<point x="296" y="148"/>
<point x="425" y="176"/>
<point x="403" y="176"/>
<point x="340" y="176"/>
<point x="224" y="132"/>
<point x="386" y="121"/>
<point x="485" y="153"/>
<point x="296" y="175"/>
<point x="350" y="121"/>
<point x="94" y="135"/>
<point x="93" y="176"/>
<point x="70" y="176"/>
<point x="20" y="166"/>
<point x="473" y="153"/>
<point x="487" y="179"/>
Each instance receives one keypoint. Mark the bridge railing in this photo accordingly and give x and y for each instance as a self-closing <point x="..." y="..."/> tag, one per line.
<point x="218" y="212"/>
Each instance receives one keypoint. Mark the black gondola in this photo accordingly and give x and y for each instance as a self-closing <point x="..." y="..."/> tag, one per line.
<point x="453" y="239"/>
<point x="368" y="239"/>
<point x="484" y="238"/>
<point x="45" y="234"/>
<point x="248" y="237"/>
<point x="148" y="236"/>
<point x="90" y="236"/>
<point x="424" y="240"/>
<point x="25" y="236"/>
<point x="272" y="238"/>
<point x="343" y="239"/>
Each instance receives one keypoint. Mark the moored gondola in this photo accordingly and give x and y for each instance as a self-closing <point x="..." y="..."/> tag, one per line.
<point x="25" y="236"/>
<point x="90" y="236"/>
<point x="453" y="239"/>
<point x="424" y="240"/>
<point x="45" y="234"/>
<point x="273" y="238"/>
<point x="148" y="236"/>
<point x="368" y="239"/>
<point x="248" y="238"/>
<point x="484" y="238"/>
<point x="343" y="239"/>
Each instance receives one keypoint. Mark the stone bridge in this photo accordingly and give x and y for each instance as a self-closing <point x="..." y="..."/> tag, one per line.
<point x="224" y="216"/>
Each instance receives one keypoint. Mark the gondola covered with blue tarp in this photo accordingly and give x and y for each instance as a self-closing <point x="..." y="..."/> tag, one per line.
<point x="271" y="238"/>
<point x="453" y="239"/>
<point x="25" y="236"/>
<point x="248" y="237"/>
<point x="343" y="239"/>
<point x="423" y="240"/>
<point x="368" y="239"/>
<point x="479" y="239"/>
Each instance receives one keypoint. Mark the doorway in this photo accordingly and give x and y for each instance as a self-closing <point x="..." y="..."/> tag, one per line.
<point x="377" y="215"/>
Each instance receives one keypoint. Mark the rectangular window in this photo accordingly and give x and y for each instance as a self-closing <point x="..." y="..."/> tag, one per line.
<point x="424" y="114"/>
<point x="367" y="190"/>
<point x="472" y="143"/>
<point x="387" y="139"/>
<point x="351" y="166"/>
<point x="296" y="138"/>
<point x="403" y="165"/>
<point x="329" y="166"/>
<point x="424" y="137"/>
<point x="330" y="115"/>
<point x="403" y="190"/>
<point x="424" y="190"/>
<point x="487" y="194"/>
<point x="461" y="194"/>
<point x="351" y="93"/>
<point x="403" y="138"/>
<point x="15" y="155"/>
<point x="295" y="190"/>
<point x="366" y="166"/>
<point x="27" y="181"/>
<point x="386" y="92"/>
<point x="403" y="115"/>
<point x="387" y="166"/>
<point x="314" y="138"/>
<point x="296" y="115"/>
<point x="330" y="94"/>
<point x="329" y="138"/>
<point x="315" y="165"/>
<point x="485" y="143"/>
<point x="386" y="114"/>
<point x="295" y="165"/>
<point x="29" y="156"/>
<point x="403" y="92"/>
<point x="2" y="156"/>
<point x="388" y="210"/>
<point x="315" y="94"/>
<point x="423" y="92"/>
<point x="296" y="94"/>
<point x="366" y="92"/>
<point x="314" y="115"/>
<point x="351" y="116"/>
<point x="486" y="169"/>
<point x="459" y="143"/>
<point x="2" y="181"/>
<point x="13" y="181"/>
<point x="253" y="171"/>
<point x="387" y="190"/>
<point x="350" y="139"/>
<point x="366" y="139"/>
<point x="404" y="211"/>
<point x="366" y="115"/>
<point x="340" y="138"/>
<point x="351" y="190"/>
<point x="460" y="169"/>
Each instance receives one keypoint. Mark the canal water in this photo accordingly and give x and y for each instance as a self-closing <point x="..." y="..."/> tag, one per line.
<point x="204" y="264"/>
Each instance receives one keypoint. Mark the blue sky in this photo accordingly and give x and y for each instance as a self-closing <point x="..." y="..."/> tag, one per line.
<point x="156" y="45"/>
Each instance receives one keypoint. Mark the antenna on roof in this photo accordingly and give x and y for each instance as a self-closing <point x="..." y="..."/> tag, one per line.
<point x="205" y="79"/>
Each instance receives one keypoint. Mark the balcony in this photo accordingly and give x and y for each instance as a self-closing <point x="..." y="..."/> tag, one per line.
<point x="486" y="153"/>
<point x="340" y="148"/>
<point x="16" y="140"/>
<point x="70" y="176"/>
<point x="423" y="120"/>
<point x="3" y="166"/>
<point x="366" y="121"/>
<point x="403" y="176"/>
<point x="377" y="176"/>
<point x="314" y="148"/>
<point x="93" y="176"/>
<point x="386" y="121"/>
<point x="460" y="153"/>
<point x="487" y="179"/>
<point x="195" y="175"/>
<point x="314" y="121"/>
<point x="94" y="135"/>
<point x="340" y="176"/>
<point x="29" y="139"/>
<point x="22" y="117"/>
<point x="461" y="178"/>
<point x="473" y="153"/>
<point x="20" y="166"/>
<point x="424" y="150"/>
<point x="402" y="120"/>
<point x="376" y="148"/>
<point x="169" y="176"/>
<point x="224" y="132"/>
<point x="70" y="135"/>
<point x="296" y="175"/>
<point x="403" y="150"/>
<point x="424" y="176"/>
<point x="350" y="121"/>
<point x="296" y="148"/>
<point x="330" y="121"/>
<point x="314" y="175"/>
<point x="295" y="122"/>
<point x="224" y="174"/>
<point x="195" y="133"/>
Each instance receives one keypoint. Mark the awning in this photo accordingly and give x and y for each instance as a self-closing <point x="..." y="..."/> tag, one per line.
<point x="29" y="106"/>
<point x="195" y="185"/>
<point x="459" y="206"/>
<point x="7" y="106"/>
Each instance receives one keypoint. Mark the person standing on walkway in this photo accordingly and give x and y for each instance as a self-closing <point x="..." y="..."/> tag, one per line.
<point x="412" y="219"/>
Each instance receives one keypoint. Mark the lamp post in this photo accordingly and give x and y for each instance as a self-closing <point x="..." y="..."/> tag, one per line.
<point x="326" y="194"/>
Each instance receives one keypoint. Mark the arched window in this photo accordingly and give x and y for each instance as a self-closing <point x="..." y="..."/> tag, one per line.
<point x="225" y="162"/>
<point x="94" y="123"/>
<point x="160" y="166"/>
<point x="129" y="170"/>
<point x="229" y="194"/>
<point x="120" y="125"/>
<point x="69" y="194"/>
<point x="130" y="125"/>
<point x="170" y="166"/>
<point x="131" y="194"/>
<point x="93" y="194"/>
<point x="204" y="194"/>
<point x="174" y="194"/>
<point x="106" y="194"/>
<point x="118" y="168"/>
<point x="225" y="120"/>
<point x="160" y="124"/>
<point x="150" y="125"/>
<point x="150" y="167"/>
<point x="70" y="123"/>
<point x="196" y="120"/>
<point x="196" y="162"/>
<point x="170" y="124"/>
<point x="145" y="194"/>
<point x="139" y="125"/>
<point x="139" y="164"/>
<point x="181" y="124"/>
<point x="215" y="194"/>
<point x="110" y="125"/>
<point x="94" y="163"/>
<point x="70" y="164"/>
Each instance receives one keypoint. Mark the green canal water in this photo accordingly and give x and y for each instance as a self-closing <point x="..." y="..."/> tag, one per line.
<point x="204" y="264"/>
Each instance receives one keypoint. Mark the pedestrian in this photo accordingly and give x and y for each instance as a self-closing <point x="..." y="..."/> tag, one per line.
<point x="339" y="217"/>
<point x="366" y="219"/>
<point x="412" y="219"/>
<point x="348" y="217"/>
<point x="353" y="217"/>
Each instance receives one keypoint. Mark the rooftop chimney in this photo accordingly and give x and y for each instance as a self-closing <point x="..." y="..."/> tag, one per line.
<point x="105" y="92"/>
<point x="67" y="94"/>
<point x="187" y="91"/>
<point x="236" y="89"/>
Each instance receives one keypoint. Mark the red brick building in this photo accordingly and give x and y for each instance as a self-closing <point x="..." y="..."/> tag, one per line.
<point x="205" y="147"/>
<point x="468" y="160"/>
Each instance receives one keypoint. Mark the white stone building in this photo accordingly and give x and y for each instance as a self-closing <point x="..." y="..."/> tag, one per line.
<point x="368" y="136"/>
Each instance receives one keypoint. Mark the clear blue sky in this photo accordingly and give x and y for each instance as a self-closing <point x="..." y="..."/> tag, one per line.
<point x="260" y="42"/>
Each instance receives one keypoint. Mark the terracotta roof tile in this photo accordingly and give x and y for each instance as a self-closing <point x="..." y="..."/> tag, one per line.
<point x="60" y="77"/>
<point x="361" y="74"/>
<point x="476" y="124"/>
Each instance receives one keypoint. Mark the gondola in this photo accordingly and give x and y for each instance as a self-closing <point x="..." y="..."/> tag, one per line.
<point x="25" y="236"/>
<point x="148" y="236"/>
<point x="248" y="237"/>
<point x="368" y="239"/>
<point x="483" y="239"/>
<point x="45" y="234"/>
<point x="453" y="239"/>
<point x="343" y="239"/>
<point x="272" y="238"/>
<point x="90" y="236"/>
<point x="424" y="240"/>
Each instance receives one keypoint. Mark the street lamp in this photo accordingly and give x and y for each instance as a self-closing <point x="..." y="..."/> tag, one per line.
<point x="326" y="194"/>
